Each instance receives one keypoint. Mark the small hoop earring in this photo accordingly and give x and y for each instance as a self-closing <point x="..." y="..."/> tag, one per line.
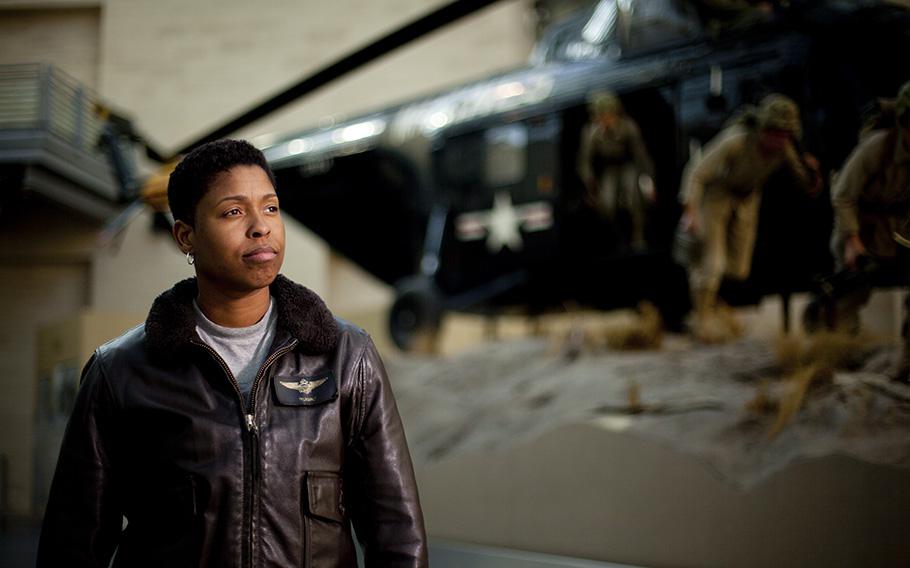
<point x="190" y="258"/>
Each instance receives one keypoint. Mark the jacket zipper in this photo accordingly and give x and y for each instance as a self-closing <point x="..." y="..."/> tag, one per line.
<point x="254" y="440"/>
<point x="251" y="473"/>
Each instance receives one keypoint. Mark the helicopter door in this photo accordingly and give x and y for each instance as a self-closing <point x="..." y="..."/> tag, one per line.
<point x="500" y="187"/>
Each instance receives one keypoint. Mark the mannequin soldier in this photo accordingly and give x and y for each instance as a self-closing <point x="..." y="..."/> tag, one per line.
<point x="615" y="166"/>
<point x="871" y="201"/>
<point x="721" y="195"/>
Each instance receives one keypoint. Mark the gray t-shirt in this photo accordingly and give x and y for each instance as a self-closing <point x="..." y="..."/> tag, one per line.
<point x="244" y="349"/>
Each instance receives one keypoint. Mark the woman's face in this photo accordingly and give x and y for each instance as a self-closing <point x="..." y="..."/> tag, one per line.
<point x="238" y="240"/>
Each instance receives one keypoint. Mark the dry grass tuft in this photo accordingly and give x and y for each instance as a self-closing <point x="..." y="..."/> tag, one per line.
<point x="799" y="382"/>
<point x="625" y="330"/>
<point x="808" y="363"/>
<point x="572" y="343"/>
<point x="645" y="331"/>
<point x="763" y="402"/>
<point x="634" y="399"/>
<point x="789" y="351"/>
<point x="826" y="350"/>
<point x="836" y="350"/>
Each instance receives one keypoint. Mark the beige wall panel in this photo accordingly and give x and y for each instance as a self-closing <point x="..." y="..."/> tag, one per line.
<point x="183" y="68"/>
<point x="494" y="40"/>
<point x="44" y="267"/>
<point x="35" y="232"/>
<point x="353" y="289"/>
<point x="130" y="273"/>
<point x="30" y="297"/>
<point x="306" y="258"/>
<point x="360" y="298"/>
<point x="48" y="4"/>
<point x="67" y="38"/>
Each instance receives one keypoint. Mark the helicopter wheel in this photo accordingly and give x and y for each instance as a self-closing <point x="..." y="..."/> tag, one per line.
<point x="415" y="316"/>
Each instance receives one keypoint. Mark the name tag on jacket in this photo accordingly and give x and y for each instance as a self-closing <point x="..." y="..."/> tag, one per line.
<point x="305" y="390"/>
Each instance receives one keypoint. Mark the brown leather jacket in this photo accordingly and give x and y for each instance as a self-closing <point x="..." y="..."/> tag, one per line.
<point x="161" y="435"/>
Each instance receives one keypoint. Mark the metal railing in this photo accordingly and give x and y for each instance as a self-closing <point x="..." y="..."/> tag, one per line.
<point x="41" y="97"/>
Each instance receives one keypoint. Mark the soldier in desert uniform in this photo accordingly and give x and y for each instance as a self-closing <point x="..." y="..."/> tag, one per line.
<point x="615" y="167"/>
<point x="871" y="201"/>
<point x="721" y="194"/>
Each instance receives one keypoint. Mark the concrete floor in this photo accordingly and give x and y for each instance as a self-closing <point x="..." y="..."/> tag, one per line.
<point x="18" y="547"/>
<point x="655" y="503"/>
<point x="518" y="446"/>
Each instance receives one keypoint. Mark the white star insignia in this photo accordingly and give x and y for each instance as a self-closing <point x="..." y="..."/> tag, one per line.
<point x="502" y="224"/>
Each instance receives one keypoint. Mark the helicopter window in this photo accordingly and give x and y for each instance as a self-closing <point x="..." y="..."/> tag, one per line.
<point x="506" y="155"/>
<point x="602" y="22"/>
<point x="461" y="162"/>
<point x="616" y="26"/>
<point x="575" y="39"/>
<point x="648" y="25"/>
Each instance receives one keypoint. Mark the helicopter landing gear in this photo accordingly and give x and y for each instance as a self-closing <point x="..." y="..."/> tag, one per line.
<point x="416" y="315"/>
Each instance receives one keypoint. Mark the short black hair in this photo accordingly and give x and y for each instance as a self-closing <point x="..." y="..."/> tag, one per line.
<point x="192" y="177"/>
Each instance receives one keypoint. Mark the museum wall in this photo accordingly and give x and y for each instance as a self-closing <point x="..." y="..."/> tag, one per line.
<point x="183" y="69"/>
<point x="178" y="69"/>
<point x="68" y="38"/>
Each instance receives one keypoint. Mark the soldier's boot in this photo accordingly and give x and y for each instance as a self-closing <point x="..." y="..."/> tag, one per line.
<point x="816" y="316"/>
<point x="846" y="312"/>
<point x="900" y="370"/>
<point x="847" y="321"/>
<point x="729" y="322"/>
<point x="706" y="326"/>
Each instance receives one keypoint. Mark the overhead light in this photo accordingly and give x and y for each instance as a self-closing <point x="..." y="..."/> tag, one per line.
<point x="439" y="119"/>
<point x="508" y="90"/>
<point x="298" y="146"/>
<point x="358" y="131"/>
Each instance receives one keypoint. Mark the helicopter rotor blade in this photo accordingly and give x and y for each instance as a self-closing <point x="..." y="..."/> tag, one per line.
<point x="409" y="32"/>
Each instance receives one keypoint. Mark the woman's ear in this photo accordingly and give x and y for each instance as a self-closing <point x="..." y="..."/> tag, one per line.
<point x="183" y="234"/>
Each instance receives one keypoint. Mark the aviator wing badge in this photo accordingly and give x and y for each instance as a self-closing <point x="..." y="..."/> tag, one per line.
<point x="303" y="386"/>
<point x="294" y="391"/>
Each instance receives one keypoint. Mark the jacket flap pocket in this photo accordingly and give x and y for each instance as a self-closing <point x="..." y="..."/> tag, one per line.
<point x="298" y="390"/>
<point x="324" y="496"/>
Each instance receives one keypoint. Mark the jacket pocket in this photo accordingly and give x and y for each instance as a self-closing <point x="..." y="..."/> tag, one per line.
<point x="327" y="533"/>
<point x="324" y="496"/>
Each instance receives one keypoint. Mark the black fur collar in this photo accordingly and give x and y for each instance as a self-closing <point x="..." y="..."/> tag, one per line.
<point x="171" y="323"/>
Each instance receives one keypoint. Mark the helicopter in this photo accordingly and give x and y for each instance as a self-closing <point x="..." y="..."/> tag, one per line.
<point x="469" y="200"/>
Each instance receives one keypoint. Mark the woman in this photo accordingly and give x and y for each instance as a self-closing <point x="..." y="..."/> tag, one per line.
<point x="242" y="425"/>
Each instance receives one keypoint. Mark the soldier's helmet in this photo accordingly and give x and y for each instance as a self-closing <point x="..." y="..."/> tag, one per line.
<point x="902" y="104"/>
<point x="779" y="112"/>
<point x="604" y="102"/>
